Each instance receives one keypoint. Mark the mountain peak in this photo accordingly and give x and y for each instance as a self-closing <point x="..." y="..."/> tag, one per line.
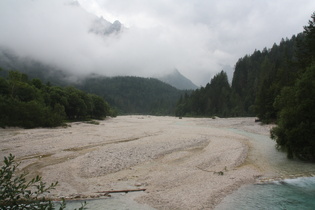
<point x="176" y="72"/>
<point x="104" y="27"/>
<point x="177" y="80"/>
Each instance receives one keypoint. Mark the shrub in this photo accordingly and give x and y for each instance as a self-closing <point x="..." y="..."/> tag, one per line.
<point x="18" y="193"/>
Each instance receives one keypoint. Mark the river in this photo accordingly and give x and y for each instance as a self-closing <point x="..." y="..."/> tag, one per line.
<point x="284" y="184"/>
<point x="289" y="184"/>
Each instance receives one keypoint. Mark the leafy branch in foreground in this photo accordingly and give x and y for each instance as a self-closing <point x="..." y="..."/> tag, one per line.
<point x="18" y="193"/>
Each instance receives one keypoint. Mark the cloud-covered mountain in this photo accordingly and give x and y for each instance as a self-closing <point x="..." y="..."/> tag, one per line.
<point x="52" y="68"/>
<point x="103" y="27"/>
<point x="63" y="34"/>
<point x="67" y="51"/>
<point x="34" y="69"/>
<point x="179" y="81"/>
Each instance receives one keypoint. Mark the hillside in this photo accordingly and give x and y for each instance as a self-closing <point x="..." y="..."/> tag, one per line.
<point x="134" y="95"/>
<point x="257" y="81"/>
<point x="179" y="81"/>
<point x="127" y="94"/>
<point x="32" y="68"/>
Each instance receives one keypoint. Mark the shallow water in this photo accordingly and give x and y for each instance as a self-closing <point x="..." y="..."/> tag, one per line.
<point x="266" y="157"/>
<point x="287" y="193"/>
<point x="117" y="201"/>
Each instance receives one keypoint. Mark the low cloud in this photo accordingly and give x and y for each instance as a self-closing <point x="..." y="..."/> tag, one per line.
<point x="198" y="38"/>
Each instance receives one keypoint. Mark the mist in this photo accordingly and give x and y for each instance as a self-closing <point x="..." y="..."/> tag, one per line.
<point x="153" y="40"/>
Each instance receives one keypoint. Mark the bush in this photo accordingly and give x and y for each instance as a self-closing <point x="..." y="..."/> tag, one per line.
<point x="17" y="193"/>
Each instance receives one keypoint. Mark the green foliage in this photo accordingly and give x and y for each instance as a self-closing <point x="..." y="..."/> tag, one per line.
<point x="296" y="125"/>
<point x="295" y="128"/>
<point x="134" y="95"/>
<point x="99" y="106"/>
<point x="17" y="193"/>
<point x="93" y="122"/>
<point x="245" y="78"/>
<point x="216" y="99"/>
<point x="306" y="47"/>
<point x="258" y="79"/>
<point x="32" y="104"/>
<point x="279" y="69"/>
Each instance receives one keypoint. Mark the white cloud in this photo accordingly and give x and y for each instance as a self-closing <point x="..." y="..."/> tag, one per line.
<point x="197" y="37"/>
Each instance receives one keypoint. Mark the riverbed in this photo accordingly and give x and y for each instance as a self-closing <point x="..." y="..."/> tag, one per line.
<point x="189" y="163"/>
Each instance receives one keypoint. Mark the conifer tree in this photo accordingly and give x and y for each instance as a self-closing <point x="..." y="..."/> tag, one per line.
<point x="296" y="124"/>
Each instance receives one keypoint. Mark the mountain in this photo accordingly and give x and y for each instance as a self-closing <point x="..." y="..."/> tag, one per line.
<point x="32" y="68"/>
<point x="101" y="26"/>
<point x="129" y="95"/>
<point x="179" y="81"/>
<point x="134" y="95"/>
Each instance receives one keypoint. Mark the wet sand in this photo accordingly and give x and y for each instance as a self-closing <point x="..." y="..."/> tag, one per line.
<point x="189" y="163"/>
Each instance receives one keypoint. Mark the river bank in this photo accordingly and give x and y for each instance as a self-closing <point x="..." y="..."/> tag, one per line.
<point x="189" y="163"/>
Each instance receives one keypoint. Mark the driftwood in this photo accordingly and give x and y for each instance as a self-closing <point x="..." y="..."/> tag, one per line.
<point x="214" y="172"/>
<point x="121" y="191"/>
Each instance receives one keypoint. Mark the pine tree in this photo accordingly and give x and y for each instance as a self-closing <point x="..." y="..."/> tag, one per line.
<point x="295" y="130"/>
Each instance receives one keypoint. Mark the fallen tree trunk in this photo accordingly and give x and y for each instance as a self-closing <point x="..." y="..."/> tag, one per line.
<point x="121" y="191"/>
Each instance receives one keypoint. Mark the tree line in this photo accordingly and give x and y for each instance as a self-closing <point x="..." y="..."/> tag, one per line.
<point x="134" y="95"/>
<point x="257" y="80"/>
<point x="276" y="85"/>
<point x="30" y="103"/>
<point x="295" y="128"/>
<point x="216" y="99"/>
<point x="125" y="94"/>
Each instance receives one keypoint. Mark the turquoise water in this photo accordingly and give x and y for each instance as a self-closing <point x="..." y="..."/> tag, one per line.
<point x="115" y="202"/>
<point x="264" y="155"/>
<point x="286" y="194"/>
<point x="296" y="193"/>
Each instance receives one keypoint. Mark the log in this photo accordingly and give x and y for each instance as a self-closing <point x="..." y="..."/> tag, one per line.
<point x="121" y="191"/>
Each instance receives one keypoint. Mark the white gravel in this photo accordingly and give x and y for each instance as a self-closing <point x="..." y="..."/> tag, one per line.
<point x="189" y="163"/>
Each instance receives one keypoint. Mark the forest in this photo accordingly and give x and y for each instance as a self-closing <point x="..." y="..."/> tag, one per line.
<point x="134" y="95"/>
<point x="30" y="103"/>
<point x="276" y="85"/>
<point x="257" y="80"/>
<point x="125" y="94"/>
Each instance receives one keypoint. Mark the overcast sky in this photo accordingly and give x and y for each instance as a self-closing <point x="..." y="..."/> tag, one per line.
<point x="197" y="37"/>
